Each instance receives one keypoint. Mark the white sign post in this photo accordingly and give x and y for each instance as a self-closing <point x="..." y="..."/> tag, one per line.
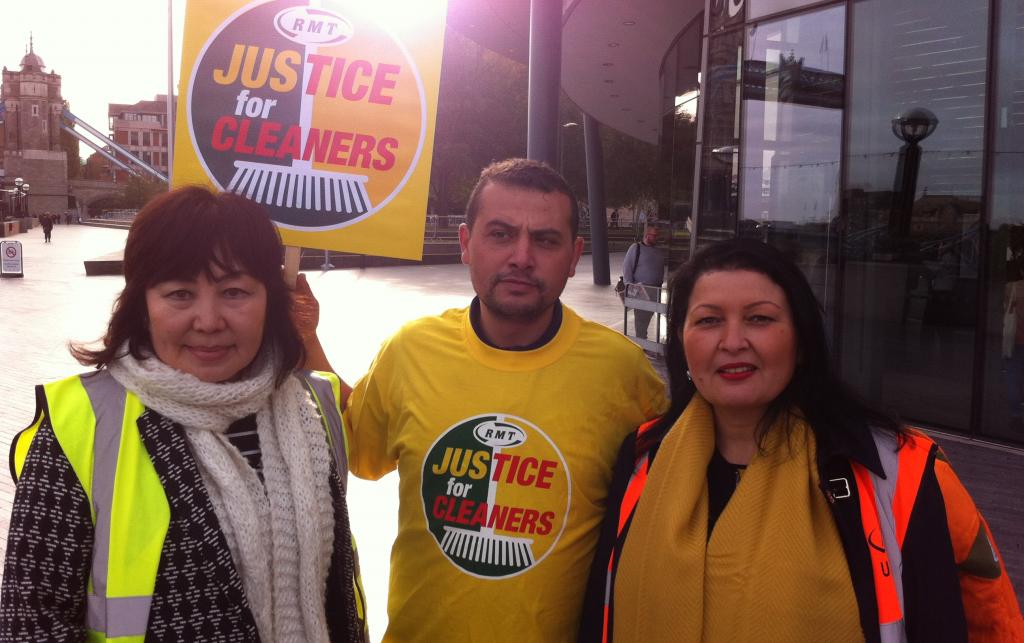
<point x="11" y="259"/>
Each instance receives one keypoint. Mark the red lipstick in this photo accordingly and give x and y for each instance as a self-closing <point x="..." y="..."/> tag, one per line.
<point x="736" y="371"/>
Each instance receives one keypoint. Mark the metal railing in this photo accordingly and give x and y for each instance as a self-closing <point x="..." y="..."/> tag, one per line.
<point x="117" y="215"/>
<point x="440" y="226"/>
<point x="654" y="300"/>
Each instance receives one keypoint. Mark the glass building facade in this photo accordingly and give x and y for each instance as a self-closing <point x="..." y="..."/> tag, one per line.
<point x="879" y="143"/>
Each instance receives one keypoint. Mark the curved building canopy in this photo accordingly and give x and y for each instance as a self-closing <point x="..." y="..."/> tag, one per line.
<point x="612" y="51"/>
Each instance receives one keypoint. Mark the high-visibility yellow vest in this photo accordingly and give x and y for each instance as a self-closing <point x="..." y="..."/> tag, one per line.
<point x="94" y="419"/>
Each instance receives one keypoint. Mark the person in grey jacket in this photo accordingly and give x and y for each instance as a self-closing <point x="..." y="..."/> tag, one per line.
<point x="643" y="270"/>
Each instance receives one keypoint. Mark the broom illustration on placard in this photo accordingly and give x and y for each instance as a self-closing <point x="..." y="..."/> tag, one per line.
<point x="300" y="186"/>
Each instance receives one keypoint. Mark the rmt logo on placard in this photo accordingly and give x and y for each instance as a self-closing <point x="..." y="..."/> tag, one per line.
<point x="308" y="26"/>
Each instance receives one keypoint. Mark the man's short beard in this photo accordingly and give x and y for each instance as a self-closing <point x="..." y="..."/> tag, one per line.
<point x="524" y="312"/>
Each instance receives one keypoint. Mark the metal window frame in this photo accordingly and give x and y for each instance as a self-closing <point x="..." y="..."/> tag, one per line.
<point x="977" y="410"/>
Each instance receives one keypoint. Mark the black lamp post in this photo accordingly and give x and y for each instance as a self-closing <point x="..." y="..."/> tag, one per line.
<point x="728" y="155"/>
<point x="24" y="199"/>
<point x="561" y="145"/>
<point x="16" y="197"/>
<point x="20" y="194"/>
<point x="912" y="127"/>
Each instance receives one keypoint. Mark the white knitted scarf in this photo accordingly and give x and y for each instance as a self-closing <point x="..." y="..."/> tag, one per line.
<point x="280" y="532"/>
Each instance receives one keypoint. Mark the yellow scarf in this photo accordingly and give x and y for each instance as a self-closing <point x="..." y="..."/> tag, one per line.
<point x="774" y="569"/>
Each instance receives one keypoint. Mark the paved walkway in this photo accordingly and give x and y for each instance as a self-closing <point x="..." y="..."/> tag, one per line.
<point x="56" y="302"/>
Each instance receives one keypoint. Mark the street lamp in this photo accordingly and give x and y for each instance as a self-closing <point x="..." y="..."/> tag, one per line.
<point x="16" y="195"/>
<point x="24" y="198"/>
<point x="911" y="127"/>
<point x="729" y="156"/>
<point x="561" y="145"/>
<point x="18" y="182"/>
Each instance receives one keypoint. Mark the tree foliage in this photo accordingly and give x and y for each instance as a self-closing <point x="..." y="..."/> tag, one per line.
<point x="136" y="193"/>
<point x="629" y="164"/>
<point x="481" y="117"/>
<point x="629" y="168"/>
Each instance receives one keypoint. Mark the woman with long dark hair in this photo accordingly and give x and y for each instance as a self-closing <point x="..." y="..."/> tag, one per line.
<point x="770" y="503"/>
<point x="192" y="487"/>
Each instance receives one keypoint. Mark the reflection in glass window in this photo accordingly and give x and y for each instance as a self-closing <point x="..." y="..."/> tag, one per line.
<point x="913" y="203"/>
<point x="793" y="89"/>
<point x="719" y="176"/>
<point x="725" y="14"/>
<point x="760" y="8"/>
<point x="1004" y="340"/>
<point x="677" y="154"/>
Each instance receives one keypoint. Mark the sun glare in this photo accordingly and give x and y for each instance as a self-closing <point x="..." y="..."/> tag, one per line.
<point x="406" y="16"/>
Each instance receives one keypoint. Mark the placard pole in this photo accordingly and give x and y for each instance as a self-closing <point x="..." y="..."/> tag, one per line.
<point x="292" y="255"/>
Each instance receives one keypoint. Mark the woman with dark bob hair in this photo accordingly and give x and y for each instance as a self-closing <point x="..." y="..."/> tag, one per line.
<point x="771" y="504"/>
<point x="192" y="487"/>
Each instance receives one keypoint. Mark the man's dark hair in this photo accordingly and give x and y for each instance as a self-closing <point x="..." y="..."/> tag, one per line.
<point x="828" y="405"/>
<point x="527" y="175"/>
<point x="179" y="235"/>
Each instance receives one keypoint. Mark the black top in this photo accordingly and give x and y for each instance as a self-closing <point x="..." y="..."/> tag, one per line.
<point x="549" y="334"/>
<point x="242" y="435"/>
<point x="723" y="478"/>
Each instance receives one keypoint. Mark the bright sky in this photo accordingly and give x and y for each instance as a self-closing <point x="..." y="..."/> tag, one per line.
<point x="106" y="51"/>
<point x="113" y="51"/>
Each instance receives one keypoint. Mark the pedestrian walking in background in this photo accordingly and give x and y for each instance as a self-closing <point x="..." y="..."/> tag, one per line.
<point x="643" y="271"/>
<point x="47" y="222"/>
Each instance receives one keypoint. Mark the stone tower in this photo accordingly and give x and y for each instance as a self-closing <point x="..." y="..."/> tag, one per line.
<point x="30" y="134"/>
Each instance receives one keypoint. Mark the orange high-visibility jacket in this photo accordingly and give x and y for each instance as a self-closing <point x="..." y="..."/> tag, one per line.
<point x="954" y="582"/>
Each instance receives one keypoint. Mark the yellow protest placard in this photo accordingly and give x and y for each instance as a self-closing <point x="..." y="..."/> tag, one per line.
<point x="321" y="110"/>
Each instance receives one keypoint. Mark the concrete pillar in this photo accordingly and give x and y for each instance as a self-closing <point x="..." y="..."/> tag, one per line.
<point x="545" y="80"/>
<point x="595" y="196"/>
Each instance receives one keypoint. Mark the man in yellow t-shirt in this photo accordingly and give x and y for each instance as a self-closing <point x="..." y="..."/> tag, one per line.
<point x="503" y="419"/>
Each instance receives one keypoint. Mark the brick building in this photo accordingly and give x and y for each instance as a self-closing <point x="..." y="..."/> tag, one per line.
<point x="142" y="130"/>
<point x="30" y="134"/>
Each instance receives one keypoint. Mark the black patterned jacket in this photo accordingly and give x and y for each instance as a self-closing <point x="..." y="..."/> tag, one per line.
<point x="198" y="593"/>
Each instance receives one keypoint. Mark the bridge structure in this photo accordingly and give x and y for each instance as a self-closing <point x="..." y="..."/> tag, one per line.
<point x="108" y="148"/>
<point x="86" y="191"/>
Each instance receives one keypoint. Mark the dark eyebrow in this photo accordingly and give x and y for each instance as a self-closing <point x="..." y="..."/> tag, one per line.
<point x="498" y="223"/>
<point x="747" y="307"/>
<point x="711" y="306"/>
<point x="763" y="301"/>
<point x="543" y="232"/>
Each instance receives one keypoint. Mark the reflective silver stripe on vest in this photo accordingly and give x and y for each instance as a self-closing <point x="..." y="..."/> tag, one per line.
<point x="325" y="396"/>
<point x="885" y="490"/>
<point x="112" y="616"/>
<point x="118" y="616"/>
